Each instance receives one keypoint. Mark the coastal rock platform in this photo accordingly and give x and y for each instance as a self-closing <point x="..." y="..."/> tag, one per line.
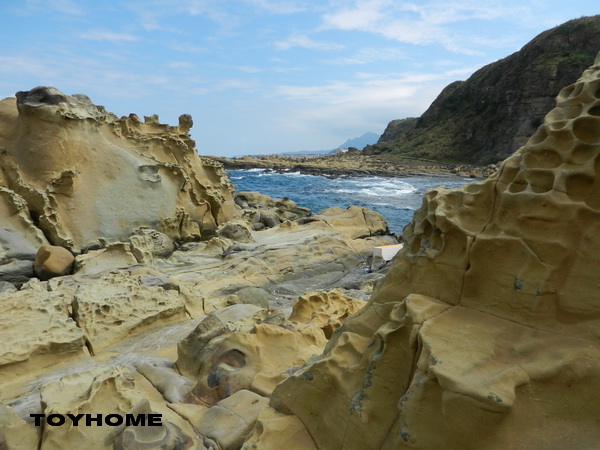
<point x="482" y="332"/>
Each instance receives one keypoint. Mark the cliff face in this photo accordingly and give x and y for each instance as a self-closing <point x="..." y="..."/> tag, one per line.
<point x="397" y="128"/>
<point x="485" y="332"/>
<point x="74" y="175"/>
<point x="489" y="116"/>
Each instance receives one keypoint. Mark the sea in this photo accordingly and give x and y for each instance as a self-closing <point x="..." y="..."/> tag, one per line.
<point x="395" y="198"/>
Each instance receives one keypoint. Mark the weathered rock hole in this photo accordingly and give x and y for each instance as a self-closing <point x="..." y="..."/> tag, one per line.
<point x="595" y="111"/>
<point x="539" y="136"/>
<point x="597" y="93"/>
<point x="543" y="159"/>
<point x="579" y="185"/>
<point x="562" y="135"/>
<point x="564" y="113"/>
<point x="587" y="129"/>
<point x="582" y="153"/>
<point x="578" y="88"/>
<point x="517" y="186"/>
<point x="509" y="173"/>
<point x="558" y="124"/>
<point x="566" y="92"/>
<point x="540" y="181"/>
<point x="436" y="239"/>
<point x="233" y="358"/>
<point x="415" y="245"/>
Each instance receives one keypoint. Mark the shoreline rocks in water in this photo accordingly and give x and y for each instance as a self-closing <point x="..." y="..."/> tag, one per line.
<point x="355" y="164"/>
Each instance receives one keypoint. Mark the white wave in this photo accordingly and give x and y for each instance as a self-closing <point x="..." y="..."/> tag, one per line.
<point x="375" y="191"/>
<point x="237" y="178"/>
<point x="375" y="186"/>
<point x="297" y="174"/>
<point x="253" y="170"/>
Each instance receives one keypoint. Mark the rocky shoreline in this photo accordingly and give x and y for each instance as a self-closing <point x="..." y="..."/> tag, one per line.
<point x="355" y="164"/>
<point x="135" y="282"/>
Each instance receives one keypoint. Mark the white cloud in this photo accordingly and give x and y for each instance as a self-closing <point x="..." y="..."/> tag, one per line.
<point x="367" y="103"/>
<point x="278" y="6"/>
<point x="370" y="55"/>
<point x="107" y="36"/>
<point x="181" y="65"/>
<point x="248" y="69"/>
<point x="303" y="41"/>
<point x="68" y="7"/>
<point x="421" y="24"/>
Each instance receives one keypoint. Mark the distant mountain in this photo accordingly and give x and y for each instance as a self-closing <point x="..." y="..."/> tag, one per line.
<point x="487" y="117"/>
<point x="361" y="141"/>
<point x="357" y="142"/>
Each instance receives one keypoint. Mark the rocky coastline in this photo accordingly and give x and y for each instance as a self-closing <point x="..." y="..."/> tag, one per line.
<point x="145" y="304"/>
<point x="355" y="164"/>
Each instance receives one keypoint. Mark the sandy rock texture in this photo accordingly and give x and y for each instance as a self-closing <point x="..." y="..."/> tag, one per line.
<point x="201" y="334"/>
<point x="73" y="173"/>
<point x="485" y="331"/>
<point x="132" y="283"/>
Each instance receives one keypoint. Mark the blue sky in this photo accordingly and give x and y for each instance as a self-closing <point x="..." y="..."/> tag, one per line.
<point x="265" y="76"/>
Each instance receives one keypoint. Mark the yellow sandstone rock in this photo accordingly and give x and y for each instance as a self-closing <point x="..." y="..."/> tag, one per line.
<point x="53" y="261"/>
<point x="86" y="174"/>
<point x="118" y="304"/>
<point x="36" y="331"/>
<point x="232" y="350"/>
<point x="327" y="310"/>
<point x="485" y="332"/>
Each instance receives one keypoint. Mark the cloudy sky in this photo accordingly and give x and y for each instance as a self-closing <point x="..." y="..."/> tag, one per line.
<point x="265" y="76"/>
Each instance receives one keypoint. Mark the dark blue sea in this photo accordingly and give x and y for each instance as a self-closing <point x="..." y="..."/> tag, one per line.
<point x="395" y="198"/>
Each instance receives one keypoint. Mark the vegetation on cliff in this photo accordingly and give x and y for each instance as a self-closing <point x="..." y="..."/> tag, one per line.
<point x="489" y="116"/>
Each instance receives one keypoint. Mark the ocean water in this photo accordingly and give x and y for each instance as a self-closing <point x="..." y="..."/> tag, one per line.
<point x="395" y="198"/>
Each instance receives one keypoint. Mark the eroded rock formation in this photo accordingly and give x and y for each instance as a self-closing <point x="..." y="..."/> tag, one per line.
<point x="201" y="335"/>
<point x="73" y="174"/>
<point x="485" y="332"/>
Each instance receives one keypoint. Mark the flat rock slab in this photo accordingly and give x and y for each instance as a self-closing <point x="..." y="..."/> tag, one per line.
<point x="117" y="304"/>
<point x="36" y="323"/>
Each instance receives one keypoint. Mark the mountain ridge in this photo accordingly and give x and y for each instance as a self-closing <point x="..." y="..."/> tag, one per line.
<point x="490" y="115"/>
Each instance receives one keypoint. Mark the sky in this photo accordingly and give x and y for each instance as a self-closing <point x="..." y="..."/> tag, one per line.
<point x="265" y="76"/>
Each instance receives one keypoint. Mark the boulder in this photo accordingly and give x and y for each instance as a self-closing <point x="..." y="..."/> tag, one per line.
<point x="355" y="221"/>
<point x="269" y="218"/>
<point x="231" y="420"/>
<point x="230" y="352"/>
<point x="53" y="261"/>
<point x="236" y="231"/>
<point x="105" y="391"/>
<point x="147" y="244"/>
